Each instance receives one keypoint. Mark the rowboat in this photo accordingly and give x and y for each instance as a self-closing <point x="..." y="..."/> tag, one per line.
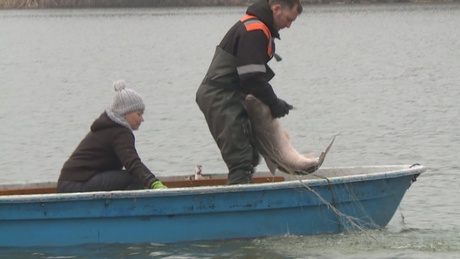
<point x="331" y="200"/>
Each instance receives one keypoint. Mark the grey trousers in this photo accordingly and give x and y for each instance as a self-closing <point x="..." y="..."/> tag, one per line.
<point x="106" y="181"/>
<point x="230" y="127"/>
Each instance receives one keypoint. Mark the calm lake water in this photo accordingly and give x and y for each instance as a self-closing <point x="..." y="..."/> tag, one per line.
<point x="383" y="78"/>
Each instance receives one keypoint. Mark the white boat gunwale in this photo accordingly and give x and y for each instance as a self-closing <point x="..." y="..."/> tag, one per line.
<point x="292" y="181"/>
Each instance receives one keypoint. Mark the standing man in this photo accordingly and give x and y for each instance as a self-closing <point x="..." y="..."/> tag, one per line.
<point x="239" y="67"/>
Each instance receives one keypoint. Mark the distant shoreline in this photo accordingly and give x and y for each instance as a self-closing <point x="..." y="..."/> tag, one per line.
<point x="38" y="4"/>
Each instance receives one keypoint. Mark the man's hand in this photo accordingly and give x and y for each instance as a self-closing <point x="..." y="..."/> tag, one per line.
<point x="280" y="109"/>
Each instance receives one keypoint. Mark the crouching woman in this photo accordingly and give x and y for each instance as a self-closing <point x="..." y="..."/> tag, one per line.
<point x="106" y="159"/>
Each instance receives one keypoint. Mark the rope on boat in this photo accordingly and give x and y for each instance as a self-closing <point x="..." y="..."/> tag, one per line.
<point x="414" y="177"/>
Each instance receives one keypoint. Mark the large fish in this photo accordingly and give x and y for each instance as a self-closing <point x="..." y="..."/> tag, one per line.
<point x="274" y="143"/>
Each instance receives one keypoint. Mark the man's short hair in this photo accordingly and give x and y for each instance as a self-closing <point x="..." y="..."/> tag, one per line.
<point x="287" y="3"/>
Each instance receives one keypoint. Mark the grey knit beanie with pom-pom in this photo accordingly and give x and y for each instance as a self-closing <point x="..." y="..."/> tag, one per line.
<point x="126" y="100"/>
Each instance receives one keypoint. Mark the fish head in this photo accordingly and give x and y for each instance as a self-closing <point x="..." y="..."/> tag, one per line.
<point x="258" y="112"/>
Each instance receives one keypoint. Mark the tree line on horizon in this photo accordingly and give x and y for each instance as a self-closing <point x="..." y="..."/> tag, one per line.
<point x="114" y="3"/>
<point x="31" y="4"/>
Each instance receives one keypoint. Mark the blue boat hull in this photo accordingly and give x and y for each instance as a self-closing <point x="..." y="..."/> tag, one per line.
<point x="313" y="205"/>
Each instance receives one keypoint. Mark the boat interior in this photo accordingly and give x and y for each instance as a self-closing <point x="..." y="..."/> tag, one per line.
<point x="214" y="179"/>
